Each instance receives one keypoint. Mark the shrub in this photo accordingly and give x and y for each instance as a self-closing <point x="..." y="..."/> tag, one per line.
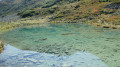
<point x="47" y="11"/>
<point x="107" y="11"/>
<point x="50" y="3"/>
<point x="27" y="13"/>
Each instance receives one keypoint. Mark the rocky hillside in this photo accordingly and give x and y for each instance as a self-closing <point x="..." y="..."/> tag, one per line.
<point x="16" y="6"/>
<point x="96" y="11"/>
<point x="93" y="11"/>
<point x="13" y="6"/>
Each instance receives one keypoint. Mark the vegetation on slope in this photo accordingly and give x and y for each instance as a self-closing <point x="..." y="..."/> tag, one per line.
<point x="15" y="6"/>
<point x="98" y="12"/>
<point x="94" y="11"/>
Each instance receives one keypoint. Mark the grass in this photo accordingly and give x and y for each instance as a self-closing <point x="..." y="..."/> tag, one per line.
<point x="5" y="26"/>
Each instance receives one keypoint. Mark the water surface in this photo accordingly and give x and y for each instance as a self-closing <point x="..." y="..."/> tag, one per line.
<point x="13" y="57"/>
<point x="67" y="39"/>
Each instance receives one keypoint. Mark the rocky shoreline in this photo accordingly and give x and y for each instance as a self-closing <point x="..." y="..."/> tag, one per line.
<point x="1" y="46"/>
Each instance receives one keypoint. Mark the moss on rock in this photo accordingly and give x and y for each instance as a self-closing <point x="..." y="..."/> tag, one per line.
<point x="1" y="46"/>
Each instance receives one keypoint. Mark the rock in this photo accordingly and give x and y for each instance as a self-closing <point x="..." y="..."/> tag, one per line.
<point x="106" y="27"/>
<point x="44" y="39"/>
<point x="1" y="46"/>
<point x="66" y="52"/>
<point x="67" y="34"/>
<point x="114" y="28"/>
<point x="114" y="5"/>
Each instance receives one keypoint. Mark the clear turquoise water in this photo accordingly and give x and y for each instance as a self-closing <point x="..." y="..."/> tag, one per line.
<point x="67" y="39"/>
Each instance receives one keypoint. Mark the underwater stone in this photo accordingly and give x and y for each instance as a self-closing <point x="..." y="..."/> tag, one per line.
<point x="106" y="27"/>
<point x="67" y="34"/>
<point x="44" y="39"/>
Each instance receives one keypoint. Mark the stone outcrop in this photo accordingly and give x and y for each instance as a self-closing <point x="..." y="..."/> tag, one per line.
<point x="114" y="5"/>
<point x="1" y="46"/>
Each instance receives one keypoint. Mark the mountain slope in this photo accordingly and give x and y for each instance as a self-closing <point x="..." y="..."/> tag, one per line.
<point x="13" y="6"/>
<point x="98" y="11"/>
<point x="87" y="10"/>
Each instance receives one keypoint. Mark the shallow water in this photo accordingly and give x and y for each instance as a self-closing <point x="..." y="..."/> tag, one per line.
<point x="67" y="39"/>
<point x="13" y="57"/>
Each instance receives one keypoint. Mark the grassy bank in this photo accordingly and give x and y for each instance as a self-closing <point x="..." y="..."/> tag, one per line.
<point x="5" y="26"/>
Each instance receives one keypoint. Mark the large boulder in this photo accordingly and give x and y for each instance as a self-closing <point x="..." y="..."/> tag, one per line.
<point x="1" y="46"/>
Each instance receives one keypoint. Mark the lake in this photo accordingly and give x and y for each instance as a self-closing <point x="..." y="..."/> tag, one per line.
<point x="101" y="46"/>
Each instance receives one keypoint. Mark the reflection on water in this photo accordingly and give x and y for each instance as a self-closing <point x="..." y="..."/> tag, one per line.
<point x="67" y="39"/>
<point x="13" y="57"/>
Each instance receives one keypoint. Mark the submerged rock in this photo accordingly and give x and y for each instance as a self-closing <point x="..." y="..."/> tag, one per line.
<point x="1" y="46"/>
<point x="106" y="27"/>
<point x="67" y="34"/>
